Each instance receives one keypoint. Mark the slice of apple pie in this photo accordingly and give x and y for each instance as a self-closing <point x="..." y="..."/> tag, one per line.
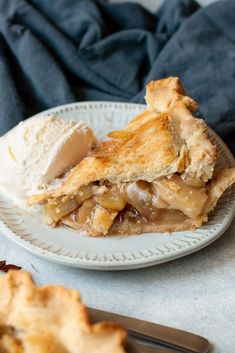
<point x="157" y="174"/>
<point x="50" y="319"/>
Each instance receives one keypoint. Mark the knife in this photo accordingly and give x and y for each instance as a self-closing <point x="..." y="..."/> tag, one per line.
<point x="133" y="347"/>
<point x="170" y="337"/>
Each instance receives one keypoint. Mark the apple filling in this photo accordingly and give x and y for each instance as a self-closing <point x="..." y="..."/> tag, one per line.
<point x="95" y="207"/>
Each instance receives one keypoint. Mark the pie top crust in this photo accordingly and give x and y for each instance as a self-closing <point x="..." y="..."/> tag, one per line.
<point x="157" y="174"/>
<point x="166" y="138"/>
<point x="50" y="319"/>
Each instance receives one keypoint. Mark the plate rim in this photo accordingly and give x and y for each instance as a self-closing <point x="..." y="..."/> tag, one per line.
<point x="110" y="264"/>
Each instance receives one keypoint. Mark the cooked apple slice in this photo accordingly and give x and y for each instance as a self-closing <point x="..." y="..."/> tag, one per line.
<point x="84" y="214"/>
<point x="111" y="199"/>
<point x="91" y="217"/>
<point x="102" y="220"/>
<point x="60" y="207"/>
<point x="85" y="192"/>
<point x="180" y="196"/>
<point x="140" y="195"/>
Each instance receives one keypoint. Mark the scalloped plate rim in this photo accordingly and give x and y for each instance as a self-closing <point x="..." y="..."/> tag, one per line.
<point x="126" y="264"/>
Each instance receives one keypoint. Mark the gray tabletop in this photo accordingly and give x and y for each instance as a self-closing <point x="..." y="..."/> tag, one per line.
<point x="195" y="293"/>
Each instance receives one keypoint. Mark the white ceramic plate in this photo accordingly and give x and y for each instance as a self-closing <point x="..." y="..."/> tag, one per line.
<point x="68" y="247"/>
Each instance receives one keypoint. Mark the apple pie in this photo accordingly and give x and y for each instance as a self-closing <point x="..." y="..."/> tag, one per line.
<point x="50" y="319"/>
<point x="155" y="175"/>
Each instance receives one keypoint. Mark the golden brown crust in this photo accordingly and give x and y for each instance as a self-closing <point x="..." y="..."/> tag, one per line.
<point x="163" y="94"/>
<point x="201" y="151"/>
<point x="50" y="319"/>
<point x="146" y="152"/>
<point x="172" y="220"/>
<point x="222" y="180"/>
<point x="168" y="95"/>
<point x="164" y="139"/>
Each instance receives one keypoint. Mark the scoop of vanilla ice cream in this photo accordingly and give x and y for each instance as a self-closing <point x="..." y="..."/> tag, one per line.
<point x="39" y="150"/>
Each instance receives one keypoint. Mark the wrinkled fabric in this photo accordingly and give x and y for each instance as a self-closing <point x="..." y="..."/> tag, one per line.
<point x="57" y="52"/>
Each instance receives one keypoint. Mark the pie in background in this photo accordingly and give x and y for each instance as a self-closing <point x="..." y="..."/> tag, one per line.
<point x="155" y="175"/>
<point x="50" y="319"/>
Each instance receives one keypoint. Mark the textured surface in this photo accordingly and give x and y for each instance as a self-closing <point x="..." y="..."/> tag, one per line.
<point x="25" y="309"/>
<point x="153" y="5"/>
<point x="195" y="293"/>
<point x="66" y="246"/>
<point x="102" y="51"/>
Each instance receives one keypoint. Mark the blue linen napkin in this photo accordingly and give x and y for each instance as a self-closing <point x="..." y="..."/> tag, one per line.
<point x="56" y="52"/>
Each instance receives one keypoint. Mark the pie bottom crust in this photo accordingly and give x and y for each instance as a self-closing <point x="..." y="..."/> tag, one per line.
<point x="167" y="221"/>
<point x="187" y="207"/>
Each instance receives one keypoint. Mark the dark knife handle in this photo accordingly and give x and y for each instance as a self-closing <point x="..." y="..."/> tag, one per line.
<point x="167" y="336"/>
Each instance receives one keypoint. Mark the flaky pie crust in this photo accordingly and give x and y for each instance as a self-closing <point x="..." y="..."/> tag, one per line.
<point x="165" y="141"/>
<point x="166" y="138"/>
<point x="50" y="319"/>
